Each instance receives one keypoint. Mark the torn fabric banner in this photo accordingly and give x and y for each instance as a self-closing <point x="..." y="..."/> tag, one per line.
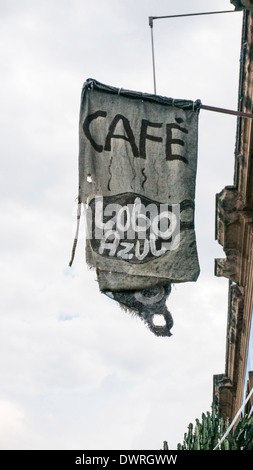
<point x="137" y="172"/>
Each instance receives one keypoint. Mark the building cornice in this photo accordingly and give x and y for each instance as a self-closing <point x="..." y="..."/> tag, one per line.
<point x="234" y="231"/>
<point x="241" y="4"/>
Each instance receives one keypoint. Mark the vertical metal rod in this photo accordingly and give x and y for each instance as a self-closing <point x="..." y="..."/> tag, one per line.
<point x="151" y="18"/>
<point x="153" y="52"/>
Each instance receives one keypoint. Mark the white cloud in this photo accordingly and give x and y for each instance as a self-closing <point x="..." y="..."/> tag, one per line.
<point x="11" y="424"/>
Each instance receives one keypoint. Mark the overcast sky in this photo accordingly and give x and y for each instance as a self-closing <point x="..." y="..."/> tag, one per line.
<point x="76" y="371"/>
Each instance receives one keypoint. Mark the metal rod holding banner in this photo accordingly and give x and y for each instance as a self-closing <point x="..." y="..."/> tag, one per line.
<point x="227" y="111"/>
<point x="151" y="18"/>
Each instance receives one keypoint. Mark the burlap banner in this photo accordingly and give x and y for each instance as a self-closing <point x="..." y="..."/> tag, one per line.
<point x="137" y="171"/>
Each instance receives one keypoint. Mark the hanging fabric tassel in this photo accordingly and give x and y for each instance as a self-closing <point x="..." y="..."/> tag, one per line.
<point x="78" y="217"/>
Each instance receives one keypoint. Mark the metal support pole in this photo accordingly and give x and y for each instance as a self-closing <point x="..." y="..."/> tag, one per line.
<point x="227" y="111"/>
<point x="192" y="14"/>
<point x="151" y="21"/>
<point x="153" y="52"/>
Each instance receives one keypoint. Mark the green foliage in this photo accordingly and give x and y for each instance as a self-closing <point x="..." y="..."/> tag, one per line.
<point x="206" y="433"/>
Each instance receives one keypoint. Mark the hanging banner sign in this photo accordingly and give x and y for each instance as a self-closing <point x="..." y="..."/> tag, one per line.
<point x="137" y="171"/>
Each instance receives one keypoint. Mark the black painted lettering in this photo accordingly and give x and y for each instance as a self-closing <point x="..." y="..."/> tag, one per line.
<point x="129" y="137"/>
<point x="170" y="141"/>
<point x="145" y="136"/>
<point x="86" y="129"/>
